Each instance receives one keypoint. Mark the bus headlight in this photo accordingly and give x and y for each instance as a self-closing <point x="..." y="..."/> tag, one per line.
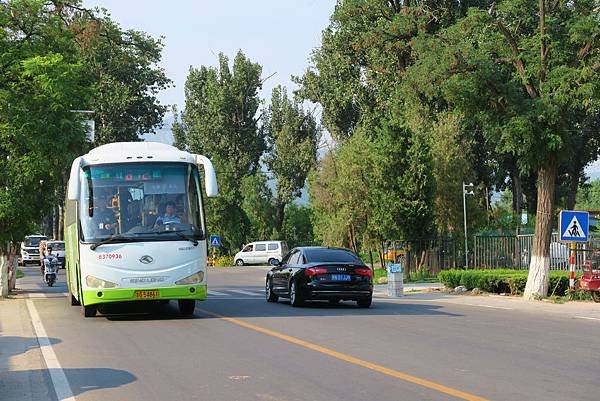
<point x="95" y="282"/>
<point x="193" y="279"/>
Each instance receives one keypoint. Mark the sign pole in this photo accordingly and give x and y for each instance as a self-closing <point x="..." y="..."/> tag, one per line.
<point x="572" y="261"/>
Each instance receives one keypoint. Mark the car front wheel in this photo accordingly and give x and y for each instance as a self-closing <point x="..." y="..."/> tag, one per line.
<point x="239" y="262"/>
<point x="269" y="294"/>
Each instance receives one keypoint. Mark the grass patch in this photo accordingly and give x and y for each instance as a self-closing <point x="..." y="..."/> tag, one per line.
<point x="20" y="274"/>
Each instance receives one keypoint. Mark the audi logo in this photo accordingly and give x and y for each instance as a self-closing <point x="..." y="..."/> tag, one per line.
<point x="146" y="259"/>
<point x="341" y="269"/>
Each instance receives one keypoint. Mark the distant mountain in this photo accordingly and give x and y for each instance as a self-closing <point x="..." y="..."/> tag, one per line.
<point x="164" y="133"/>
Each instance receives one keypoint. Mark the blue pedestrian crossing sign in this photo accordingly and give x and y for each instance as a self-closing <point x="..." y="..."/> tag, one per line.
<point x="215" y="241"/>
<point x="574" y="226"/>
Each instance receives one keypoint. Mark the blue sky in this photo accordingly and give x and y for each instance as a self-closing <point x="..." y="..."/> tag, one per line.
<point x="278" y="34"/>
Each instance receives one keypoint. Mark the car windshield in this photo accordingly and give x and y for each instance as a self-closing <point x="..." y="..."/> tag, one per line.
<point x="319" y="255"/>
<point x="141" y="201"/>
<point x="34" y="241"/>
<point x="56" y="246"/>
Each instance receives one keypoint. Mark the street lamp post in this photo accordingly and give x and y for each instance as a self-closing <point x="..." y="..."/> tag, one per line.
<point x="467" y="190"/>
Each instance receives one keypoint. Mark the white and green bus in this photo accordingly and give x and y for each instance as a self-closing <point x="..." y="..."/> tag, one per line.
<point x="135" y="227"/>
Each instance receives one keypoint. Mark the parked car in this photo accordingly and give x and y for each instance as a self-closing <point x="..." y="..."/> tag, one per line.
<point x="30" y="249"/>
<point x="58" y="249"/>
<point x="320" y="273"/>
<point x="261" y="253"/>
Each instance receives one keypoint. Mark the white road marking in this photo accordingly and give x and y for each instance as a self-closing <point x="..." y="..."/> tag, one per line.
<point x="57" y="375"/>
<point x="254" y="294"/>
<point x="487" y="306"/>
<point x="216" y="293"/>
<point x="233" y="298"/>
<point x="587" y="318"/>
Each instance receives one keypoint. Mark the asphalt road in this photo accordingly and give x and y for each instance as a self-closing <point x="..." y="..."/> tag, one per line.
<point x="239" y="347"/>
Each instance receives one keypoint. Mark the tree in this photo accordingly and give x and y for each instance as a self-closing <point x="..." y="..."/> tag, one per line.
<point x="258" y="206"/>
<point x="527" y="74"/>
<point x="588" y="197"/>
<point x="178" y="130"/>
<point x="292" y="136"/>
<point x="298" y="227"/>
<point x="355" y="76"/>
<point x="121" y="66"/>
<point x="221" y="122"/>
<point x="41" y="82"/>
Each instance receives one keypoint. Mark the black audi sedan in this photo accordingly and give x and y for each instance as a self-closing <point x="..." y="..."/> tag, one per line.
<point x="320" y="273"/>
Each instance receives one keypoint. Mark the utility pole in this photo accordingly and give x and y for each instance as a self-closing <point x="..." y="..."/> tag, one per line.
<point x="467" y="190"/>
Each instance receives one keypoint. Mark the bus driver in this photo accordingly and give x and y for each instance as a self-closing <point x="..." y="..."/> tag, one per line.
<point x="169" y="217"/>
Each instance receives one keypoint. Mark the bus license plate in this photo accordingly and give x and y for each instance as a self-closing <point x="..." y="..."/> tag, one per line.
<point x="147" y="294"/>
<point x="340" y="277"/>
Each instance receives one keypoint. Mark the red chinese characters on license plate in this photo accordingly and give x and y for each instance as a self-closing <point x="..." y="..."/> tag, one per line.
<point x="110" y="256"/>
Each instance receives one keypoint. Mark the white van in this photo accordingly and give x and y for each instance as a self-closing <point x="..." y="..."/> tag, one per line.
<point x="261" y="253"/>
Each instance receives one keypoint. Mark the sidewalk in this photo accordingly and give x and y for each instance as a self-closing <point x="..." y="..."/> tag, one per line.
<point x="23" y="373"/>
<point x="429" y="293"/>
<point x="381" y="289"/>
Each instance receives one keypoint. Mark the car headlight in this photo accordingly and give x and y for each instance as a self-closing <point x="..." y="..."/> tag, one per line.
<point x="193" y="279"/>
<point x="95" y="282"/>
<point x="25" y="253"/>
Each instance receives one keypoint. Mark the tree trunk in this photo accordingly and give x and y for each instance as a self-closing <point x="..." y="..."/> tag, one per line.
<point x="279" y="216"/>
<point x="517" y="199"/>
<point x="55" y="222"/>
<point x="61" y="222"/>
<point x="537" y="280"/>
<point x="573" y="186"/>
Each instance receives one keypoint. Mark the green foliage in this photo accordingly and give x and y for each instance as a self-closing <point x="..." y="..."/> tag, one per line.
<point x="297" y="226"/>
<point x="292" y="135"/>
<point x="42" y="80"/>
<point x="57" y="57"/>
<point x="258" y="206"/>
<point x="588" y="196"/>
<point x="220" y="122"/>
<point x="500" y="280"/>
<point x="121" y="66"/>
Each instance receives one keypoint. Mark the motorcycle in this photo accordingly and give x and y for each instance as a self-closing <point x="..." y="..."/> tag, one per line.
<point x="51" y="266"/>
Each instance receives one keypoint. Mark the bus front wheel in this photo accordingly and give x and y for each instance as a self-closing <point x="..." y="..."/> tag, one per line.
<point x="89" y="311"/>
<point x="187" y="306"/>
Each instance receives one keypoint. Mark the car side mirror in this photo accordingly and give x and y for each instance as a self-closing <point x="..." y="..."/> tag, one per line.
<point x="275" y="262"/>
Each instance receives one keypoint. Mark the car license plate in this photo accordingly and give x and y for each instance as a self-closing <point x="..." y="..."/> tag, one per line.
<point x="340" y="277"/>
<point x="146" y="294"/>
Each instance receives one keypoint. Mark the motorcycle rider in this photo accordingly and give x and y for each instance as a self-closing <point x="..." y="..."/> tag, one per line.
<point x="48" y="255"/>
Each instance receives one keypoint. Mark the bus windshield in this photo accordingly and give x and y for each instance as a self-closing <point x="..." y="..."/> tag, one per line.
<point x="141" y="201"/>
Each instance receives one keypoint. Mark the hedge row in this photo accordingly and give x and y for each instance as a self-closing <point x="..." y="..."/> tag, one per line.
<point x="501" y="280"/>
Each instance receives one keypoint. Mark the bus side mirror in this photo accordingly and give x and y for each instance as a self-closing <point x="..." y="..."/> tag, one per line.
<point x="74" y="185"/>
<point x="210" y="177"/>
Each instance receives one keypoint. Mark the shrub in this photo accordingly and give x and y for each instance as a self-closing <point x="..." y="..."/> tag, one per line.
<point x="501" y="280"/>
<point x="224" y="261"/>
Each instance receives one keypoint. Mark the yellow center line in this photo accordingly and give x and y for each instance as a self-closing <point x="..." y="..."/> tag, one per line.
<point x="350" y="359"/>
